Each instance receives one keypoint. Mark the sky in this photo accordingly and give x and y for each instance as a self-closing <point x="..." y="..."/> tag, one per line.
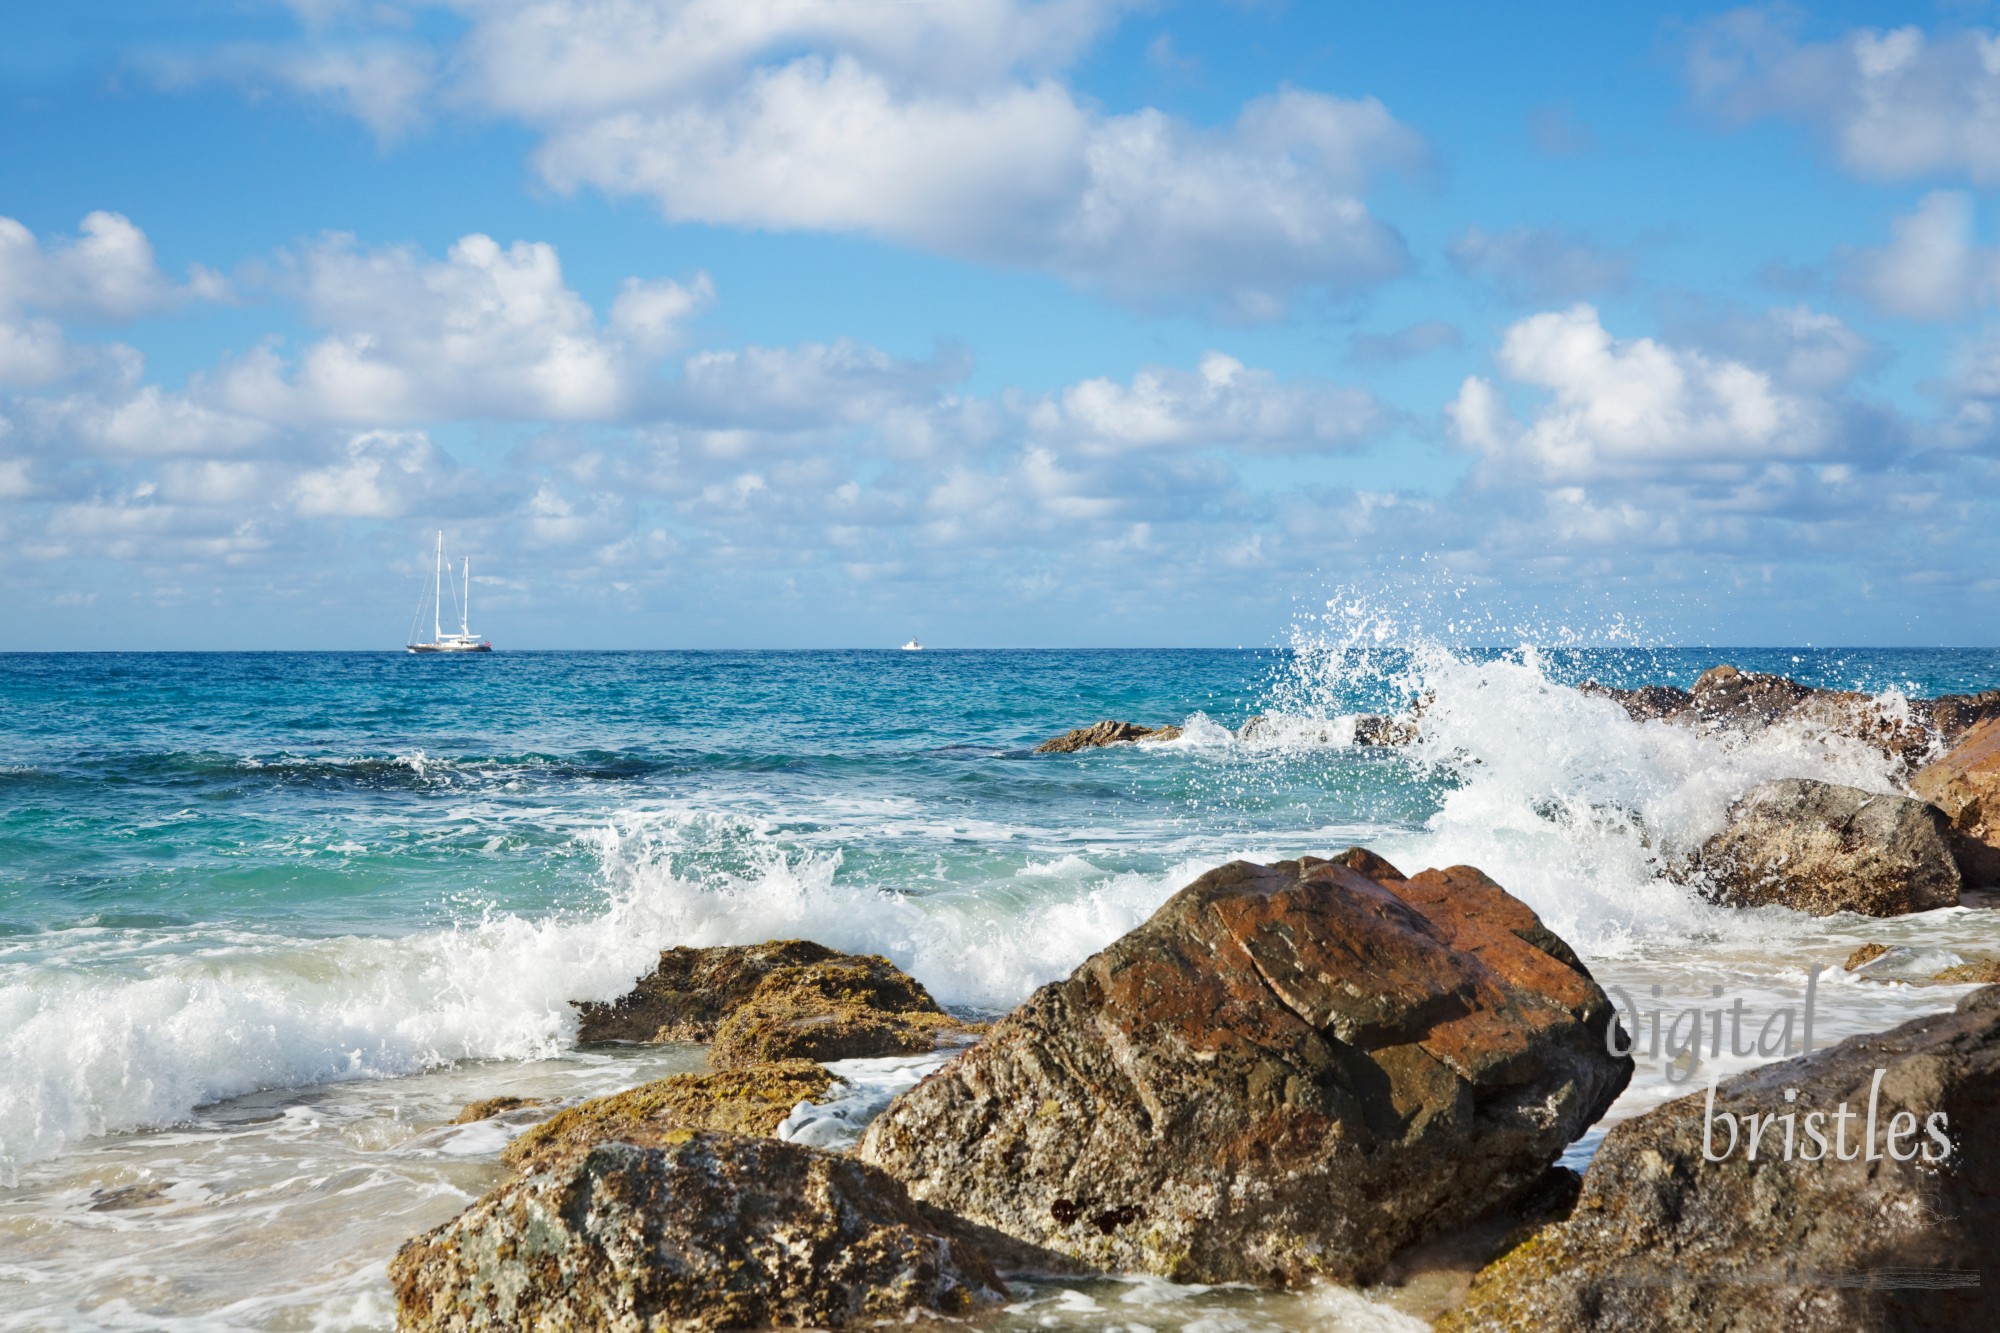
<point x="825" y="323"/>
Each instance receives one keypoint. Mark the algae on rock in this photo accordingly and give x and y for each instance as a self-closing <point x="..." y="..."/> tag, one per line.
<point x="750" y="1100"/>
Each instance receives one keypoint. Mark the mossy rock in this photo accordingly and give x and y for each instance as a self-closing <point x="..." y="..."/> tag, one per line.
<point x="1863" y="956"/>
<point x="1979" y="972"/>
<point x="688" y="995"/>
<point x="751" y="1100"/>
<point x="488" y="1107"/>
<point x="841" y="1009"/>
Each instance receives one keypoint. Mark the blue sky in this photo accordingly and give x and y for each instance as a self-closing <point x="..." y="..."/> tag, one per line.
<point x="798" y="323"/>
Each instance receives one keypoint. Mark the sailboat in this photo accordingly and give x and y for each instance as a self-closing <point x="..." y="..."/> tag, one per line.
<point x="464" y="641"/>
<point x="913" y="646"/>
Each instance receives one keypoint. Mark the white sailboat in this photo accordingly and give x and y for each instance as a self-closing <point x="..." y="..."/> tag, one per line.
<point x="913" y="647"/>
<point x="464" y="640"/>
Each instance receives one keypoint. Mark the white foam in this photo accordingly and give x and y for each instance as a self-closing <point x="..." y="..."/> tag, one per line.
<point x="867" y="1087"/>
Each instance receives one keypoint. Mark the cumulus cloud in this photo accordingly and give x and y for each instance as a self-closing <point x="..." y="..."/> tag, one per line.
<point x="1539" y="264"/>
<point x="1896" y="104"/>
<point x="1931" y="269"/>
<point x="488" y="332"/>
<point x="1614" y="407"/>
<point x="1142" y="206"/>
<point x="1222" y="402"/>
<point x="104" y="274"/>
<point x="945" y="126"/>
<point x="381" y="474"/>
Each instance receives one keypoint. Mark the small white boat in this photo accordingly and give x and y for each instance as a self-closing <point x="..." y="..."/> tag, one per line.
<point x="913" y="647"/>
<point x="464" y="641"/>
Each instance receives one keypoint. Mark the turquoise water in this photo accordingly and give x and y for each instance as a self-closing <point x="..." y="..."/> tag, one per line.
<point x="335" y="892"/>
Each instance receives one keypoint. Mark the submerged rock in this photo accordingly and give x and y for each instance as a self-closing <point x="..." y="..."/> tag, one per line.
<point x="775" y="1001"/>
<point x="488" y="1107"/>
<point x="1103" y="733"/>
<point x="1823" y="848"/>
<point x="1965" y="784"/>
<point x="741" y="1101"/>
<point x="1373" y="729"/>
<point x="1864" y="955"/>
<point x="1289" y="1071"/>
<point x="840" y="1008"/>
<point x="1664" y="1238"/>
<point x="704" y="1231"/>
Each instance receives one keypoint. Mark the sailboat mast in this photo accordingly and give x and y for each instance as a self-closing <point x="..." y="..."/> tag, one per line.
<point x="465" y="606"/>
<point x="437" y="594"/>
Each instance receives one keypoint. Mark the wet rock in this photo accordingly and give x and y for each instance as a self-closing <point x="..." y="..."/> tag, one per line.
<point x="840" y="1008"/>
<point x="739" y="1101"/>
<point x="487" y="1108"/>
<point x="1648" y="703"/>
<point x="690" y="994"/>
<point x="1953" y="716"/>
<point x="1726" y="699"/>
<point x="706" y="1231"/>
<point x="1978" y="972"/>
<point x="1863" y="956"/>
<point x="145" y="1194"/>
<point x="1372" y="729"/>
<point x="1289" y="1071"/>
<point x="1663" y="1238"/>
<point x="1105" y="733"/>
<point x="1965" y="784"/>
<point x="1822" y="848"/>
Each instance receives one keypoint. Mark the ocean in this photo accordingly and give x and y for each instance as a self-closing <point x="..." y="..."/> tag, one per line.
<point x="267" y="920"/>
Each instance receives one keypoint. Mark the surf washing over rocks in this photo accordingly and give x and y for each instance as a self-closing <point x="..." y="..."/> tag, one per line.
<point x="279" y="919"/>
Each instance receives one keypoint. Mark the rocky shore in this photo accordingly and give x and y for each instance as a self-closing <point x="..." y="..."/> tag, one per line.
<point x="1296" y="1072"/>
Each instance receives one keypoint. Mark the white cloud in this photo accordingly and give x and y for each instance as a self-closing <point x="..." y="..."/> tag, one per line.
<point x="1221" y="403"/>
<point x="1899" y="104"/>
<point x="942" y="125"/>
<point x="552" y="59"/>
<point x="489" y="332"/>
<point x="1633" y="407"/>
<point x="105" y="272"/>
<point x="146" y="422"/>
<point x="1931" y="269"/>
<point x="1538" y="264"/>
<point x="1141" y="206"/>
<point x="383" y="474"/>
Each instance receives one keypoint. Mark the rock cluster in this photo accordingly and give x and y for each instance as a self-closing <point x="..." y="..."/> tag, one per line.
<point x="1823" y="848"/>
<point x="701" y="1231"/>
<point x="1290" y="1071"/>
<point x="1104" y="733"/>
<point x="1663" y="1237"/>
<point x="1724" y="698"/>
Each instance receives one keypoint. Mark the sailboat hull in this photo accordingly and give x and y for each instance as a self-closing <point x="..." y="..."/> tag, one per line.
<point x="451" y="647"/>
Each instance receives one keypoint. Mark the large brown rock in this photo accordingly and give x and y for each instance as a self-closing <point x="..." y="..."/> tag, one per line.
<point x="1965" y="784"/>
<point x="1823" y="848"/>
<point x="705" y="1231"/>
<point x="1107" y="732"/>
<point x="1664" y="1239"/>
<point x="782" y="1000"/>
<point x="1290" y="1070"/>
